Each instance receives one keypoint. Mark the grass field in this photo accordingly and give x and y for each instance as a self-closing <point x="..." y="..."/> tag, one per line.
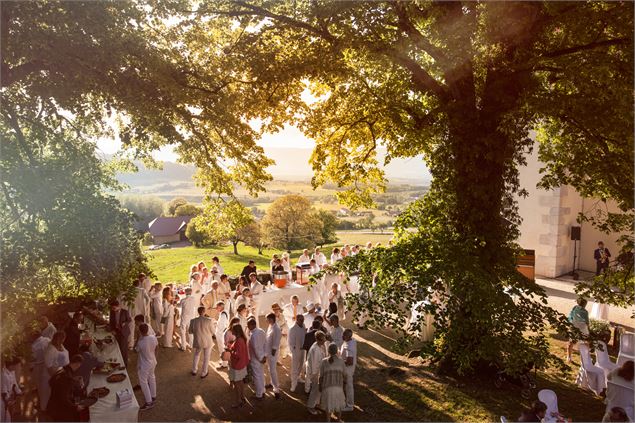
<point x="173" y="265"/>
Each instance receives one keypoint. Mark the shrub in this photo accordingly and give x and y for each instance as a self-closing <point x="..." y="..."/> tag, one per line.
<point x="147" y="239"/>
<point x="600" y="330"/>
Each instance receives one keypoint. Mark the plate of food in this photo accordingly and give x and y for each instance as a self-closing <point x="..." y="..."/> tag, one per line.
<point x="99" y="392"/>
<point x="116" y="378"/>
<point x="88" y="401"/>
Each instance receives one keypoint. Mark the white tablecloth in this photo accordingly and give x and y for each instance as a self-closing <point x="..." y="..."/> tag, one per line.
<point x="106" y="410"/>
<point x="281" y="296"/>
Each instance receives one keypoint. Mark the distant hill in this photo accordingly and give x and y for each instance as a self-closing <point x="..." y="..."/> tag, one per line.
<point x="292" y="164"/>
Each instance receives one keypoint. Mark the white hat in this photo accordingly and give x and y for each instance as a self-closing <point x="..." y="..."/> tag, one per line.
<point x="310" y="305"/>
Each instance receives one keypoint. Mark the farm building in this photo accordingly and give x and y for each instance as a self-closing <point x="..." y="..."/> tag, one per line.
<point x="166" y="230"/>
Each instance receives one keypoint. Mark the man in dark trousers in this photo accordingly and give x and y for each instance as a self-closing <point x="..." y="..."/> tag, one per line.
<point x="120" y="325"/>
<point x="61" y="406"/>
<point x="601" y="256"/>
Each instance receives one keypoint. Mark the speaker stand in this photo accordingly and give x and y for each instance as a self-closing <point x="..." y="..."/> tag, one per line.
<point x="575" y="257"/>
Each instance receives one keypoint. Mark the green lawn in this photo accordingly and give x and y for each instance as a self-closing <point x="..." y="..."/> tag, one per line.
<point x="173" y="265"/>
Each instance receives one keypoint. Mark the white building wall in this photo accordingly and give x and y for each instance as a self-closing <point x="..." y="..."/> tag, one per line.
<point x="547" y="218"/>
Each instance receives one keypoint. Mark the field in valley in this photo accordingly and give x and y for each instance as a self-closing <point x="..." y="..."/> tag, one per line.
<point x="173" y="265"/>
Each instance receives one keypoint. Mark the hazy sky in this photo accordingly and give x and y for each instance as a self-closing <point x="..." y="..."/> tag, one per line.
<point x="293" y="163"/>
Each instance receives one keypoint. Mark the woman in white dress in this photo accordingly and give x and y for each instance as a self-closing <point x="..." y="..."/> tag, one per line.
<point x="331" y="384"/>
<point x="167" y="317"/>
<point x="56" y="355"/>
<point x="156" y="308"/>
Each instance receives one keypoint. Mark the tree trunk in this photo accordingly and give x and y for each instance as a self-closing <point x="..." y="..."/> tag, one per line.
<point x="235" y="244"/>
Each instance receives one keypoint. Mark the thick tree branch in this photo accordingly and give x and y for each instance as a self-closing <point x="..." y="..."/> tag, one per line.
<point x="583" y="47"/>
<point x="420" y="77"/>
<point x="11" y="75"/>
<point x="406" y="25"/>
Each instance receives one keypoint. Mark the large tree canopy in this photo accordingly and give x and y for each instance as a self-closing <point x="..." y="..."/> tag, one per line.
<point x="462" y="83"/>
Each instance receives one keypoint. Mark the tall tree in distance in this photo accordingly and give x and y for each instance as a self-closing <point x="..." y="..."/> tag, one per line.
<point x="462" y="83"/>
<point x="290" y="223"/>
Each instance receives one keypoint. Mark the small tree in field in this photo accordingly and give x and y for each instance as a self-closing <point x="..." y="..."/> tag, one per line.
<point x="224" y="221"/>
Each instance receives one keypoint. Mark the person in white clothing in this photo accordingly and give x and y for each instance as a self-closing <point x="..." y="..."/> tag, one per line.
<point x="284" y="330"/>
<point x="145" y="282"/>
<point x="224" y="290"/>
<point x="319" y="257"/>
<point x="217" y="269"/>
<point x="202" y="329"/>
<point x="314" y="359"/>
<point x="286" y="265"/>
<point x="138" y="321"/>
<point x="245" y="298"/>
<point x="291" y="310"/>
<point x="314" y="267"/>
<point x="156" y="307"/>
<point x="335" y="256"/>
<point x="310" y="314"/>
<point x="206" y="280"/>
<point x="304" y="258"/>
<point x="167" y="317"/>
<point x="348" y="352"/>
<point x="335" y="331"/>
<point x="274" y="335"/>
<point x="47" y="328"/>
<point x="40" y="374"/>
<point x="257" y="357"/>
<point x="9" y="387"/>
<point x="335" y="296"/>
<point x="256" y="289"/>
<point x="189" y="304"/>
<point x="140" y="305"/>
<point x="146" y="363"/>
<point x="221" y="327"/>
<point x="296" y="341"/>
<point x="56" y="356"/>
<point x="197" y="287"/>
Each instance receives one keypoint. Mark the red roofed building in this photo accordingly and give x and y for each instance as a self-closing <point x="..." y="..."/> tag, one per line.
<point x="165" y="230"/>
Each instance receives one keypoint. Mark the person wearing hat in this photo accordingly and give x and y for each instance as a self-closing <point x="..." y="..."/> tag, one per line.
<point x="310" y="314"/>
<point x="284" y="330"/>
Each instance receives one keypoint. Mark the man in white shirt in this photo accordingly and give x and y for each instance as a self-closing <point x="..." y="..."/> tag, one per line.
<point x="274" y="335"/>
<point x="146" y="363"/>
<point x="319" y="257"/>
<point x="348" y="352"/>
<point x="221" y="326"/>
<point x="40" y="373"/>
<point x="314" y="358"/>
<point x="256" y="289"/>
<point x="336" y="331"/>
<point x="140" y="305"/>
<point x="314" y="267"/>
<point x="47" y="328"/>
<point x="189" y="304"/>
<point x="257" y="357"/>
<point x="296" y="340"/>
<point x="202" y="329"/>
<point x="304" y="258"/>
<point x="310" y="314"/>
<point x="291" y="310"/>
<point x="197" y="287"/>
<point x="245" y="298"/>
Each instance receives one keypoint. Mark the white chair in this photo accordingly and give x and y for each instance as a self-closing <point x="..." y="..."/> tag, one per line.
<point x="599" y="311"/>
<point x="503" y="419"/>
<point x="627" y="348"/>
<point x="618" y="395"/>
<point x="590" y="376"/>
<point x="603" y="360"/>
<point x="551" y="400"/>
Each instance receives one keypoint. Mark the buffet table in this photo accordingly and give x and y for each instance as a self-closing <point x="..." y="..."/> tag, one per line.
<point x="106" y="409"/>
<point x="282" y="296"/>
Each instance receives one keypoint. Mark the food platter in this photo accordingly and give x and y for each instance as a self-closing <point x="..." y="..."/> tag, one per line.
<point x="116" y="378"/>
<point x="88" y="401"/>
<point x="99" y="392"/>
<point x="107" y="368"/>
